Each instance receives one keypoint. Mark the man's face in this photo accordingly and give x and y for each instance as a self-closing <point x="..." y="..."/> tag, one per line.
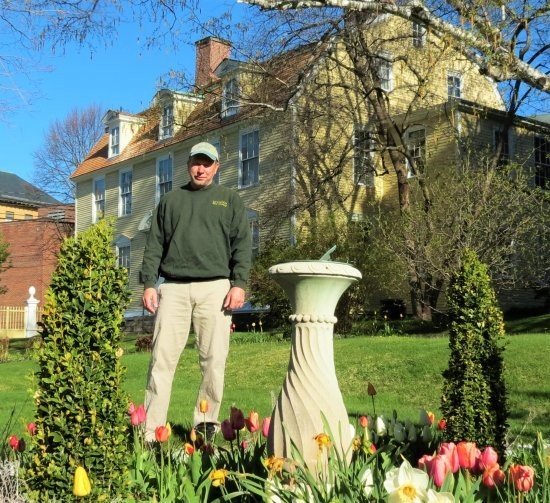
<point x="201" y="170"/>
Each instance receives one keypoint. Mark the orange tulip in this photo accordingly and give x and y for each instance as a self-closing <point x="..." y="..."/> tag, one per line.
<point x="252" y="422"/>
<point x="523" y="477"/>
<point x="188" y="448"/>
<point x="162" y="433"/>
<point x="364" y="421"/>
<point x="492" y="476"/>
<point x="467" y="453"/>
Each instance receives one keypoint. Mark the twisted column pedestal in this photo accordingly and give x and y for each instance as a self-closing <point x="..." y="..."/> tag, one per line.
<point x="310" y="390"/>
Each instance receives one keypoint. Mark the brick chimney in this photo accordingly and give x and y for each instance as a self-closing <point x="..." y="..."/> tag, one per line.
<point x="210" y="52"/>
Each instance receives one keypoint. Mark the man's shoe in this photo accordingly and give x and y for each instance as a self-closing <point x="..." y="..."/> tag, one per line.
<point x="207" y="430"/>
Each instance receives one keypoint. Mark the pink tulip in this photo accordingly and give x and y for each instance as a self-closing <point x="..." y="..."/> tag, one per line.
<point x="467" y="454"/>
<point x="523" y="477"/>
<point x="449" y="450"/>
<point x="138" y="415"/>
<point x="364" y="421"/>
<point x="227" y="430"/>
<point x="265" y="426"/>
<point x="493" y="476"/>
<point x="31" y="429"/>
<point x="488" y="457"/>
<point x="425" y="463"/>
<point x="252" y="422"/>
<point x="439" y="468"/>
<point x="131" y="408"/>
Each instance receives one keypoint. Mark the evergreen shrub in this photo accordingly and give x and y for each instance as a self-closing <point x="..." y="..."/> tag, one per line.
<point x="474" y="400"/>
<point x="80" y="405"/>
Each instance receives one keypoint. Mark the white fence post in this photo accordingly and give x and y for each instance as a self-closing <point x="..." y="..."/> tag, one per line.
<point x="31" y="314"/>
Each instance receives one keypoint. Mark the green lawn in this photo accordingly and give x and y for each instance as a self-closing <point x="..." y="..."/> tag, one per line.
<point x="405" y="370"/>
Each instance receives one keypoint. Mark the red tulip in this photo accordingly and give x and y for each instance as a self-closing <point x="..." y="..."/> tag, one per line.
<point x="466" y="454"/>
<point x="227" y="430"/>
<point x="449" y="449"/>
<point x="31" y="429"/>
<point x="492" y="476"/>
<point x="236" y="417"/>
<point x="162" y="433"/>
<point x="265" y="426"/>
<point x="522" y="476"/>
<point x="364" y="421"/>
<point x="252" y="422"/>
<point x="138" y="415"/>
<point x="14" y="442"/>
<point x="442" y="424"/>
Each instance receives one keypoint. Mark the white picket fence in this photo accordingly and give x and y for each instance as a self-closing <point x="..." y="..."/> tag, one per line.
<point x="20" y="321"/>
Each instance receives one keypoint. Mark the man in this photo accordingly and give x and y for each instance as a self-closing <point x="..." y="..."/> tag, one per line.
<point x="199" y="243"/>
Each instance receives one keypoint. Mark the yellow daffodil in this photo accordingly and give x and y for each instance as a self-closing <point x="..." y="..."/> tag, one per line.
<point x="218" y="477"/>
<point x="323" y="440"/>
<point x="81" y="483"/>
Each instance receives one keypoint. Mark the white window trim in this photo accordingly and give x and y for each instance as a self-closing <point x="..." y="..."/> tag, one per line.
<point x="112" y="144"/>
<point x="166" y="130"/>
<point x="411" y="130"/>
<point x="166" y="157"/>
<point x="95" y="216"/>
<point x="234" y="103"/>
<point x="368" y="178"/>
<point x="240" y="174"/>
<point x="387" y="59"/>
<point x="124" y="242"/>
<point x="418" y="34"/>
<point x="120" y="194"/>
<point x="455" y="75"/>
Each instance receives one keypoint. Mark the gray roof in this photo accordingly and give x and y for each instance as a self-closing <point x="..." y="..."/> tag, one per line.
<point x="15" y="190"/>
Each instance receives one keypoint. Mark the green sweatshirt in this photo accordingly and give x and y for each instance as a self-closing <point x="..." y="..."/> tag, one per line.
<point x="198" y="234"/>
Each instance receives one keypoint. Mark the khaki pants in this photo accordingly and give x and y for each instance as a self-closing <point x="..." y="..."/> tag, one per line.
<point x="181" y="304"/>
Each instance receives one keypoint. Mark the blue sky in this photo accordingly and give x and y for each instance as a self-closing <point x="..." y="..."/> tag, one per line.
<point x="122" y="76"/>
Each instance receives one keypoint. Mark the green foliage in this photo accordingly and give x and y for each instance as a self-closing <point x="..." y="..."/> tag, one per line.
<point x="4" y="258"/>
<point x="474" y="400"/>
<point x="80" y="406"/>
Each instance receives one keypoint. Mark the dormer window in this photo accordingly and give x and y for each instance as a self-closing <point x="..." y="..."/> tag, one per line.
<point x="167" y="126"/>
<point x="114" y="141"/>
<point x="230" y="98"/>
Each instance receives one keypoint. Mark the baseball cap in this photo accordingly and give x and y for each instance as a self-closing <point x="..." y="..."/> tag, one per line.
<point x="206" y="149"/>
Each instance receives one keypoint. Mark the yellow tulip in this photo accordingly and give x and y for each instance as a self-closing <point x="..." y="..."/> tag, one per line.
<point x="81" y="484"/>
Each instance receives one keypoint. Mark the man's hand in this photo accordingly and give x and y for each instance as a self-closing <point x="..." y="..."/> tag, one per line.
<point x="234" y="298"/>
<point x="150" y="300"/>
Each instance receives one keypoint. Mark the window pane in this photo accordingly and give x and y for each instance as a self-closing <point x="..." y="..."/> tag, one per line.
<point x="126" y="193"/>
<point x="165" y="176"/>
<point x="250" y="167"/>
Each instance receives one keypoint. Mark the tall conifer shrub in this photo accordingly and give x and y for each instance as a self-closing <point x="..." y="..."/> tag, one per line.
<point x="80" y="406"/>
<point x="474" y="400"/>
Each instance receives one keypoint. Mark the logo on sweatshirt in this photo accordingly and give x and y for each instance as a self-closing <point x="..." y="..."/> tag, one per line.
<point x="219" y="203"/>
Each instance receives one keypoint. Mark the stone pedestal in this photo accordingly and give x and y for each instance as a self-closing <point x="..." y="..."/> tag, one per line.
<point x="310" y="390"/>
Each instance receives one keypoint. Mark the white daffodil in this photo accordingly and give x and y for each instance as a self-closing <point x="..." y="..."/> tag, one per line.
<point x="381" y="428"/>
<point x="435" y="497"/>
<point x="406" y="484"/>
<point x="368" y="482"/>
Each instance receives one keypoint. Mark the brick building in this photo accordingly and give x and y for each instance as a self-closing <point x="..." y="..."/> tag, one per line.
<point x="34" y="224"/>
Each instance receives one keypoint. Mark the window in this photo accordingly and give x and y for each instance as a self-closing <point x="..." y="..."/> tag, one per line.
<point x="164" y="176"/>
<point x="416" y="146"/>
<point x="98" y="209"/>
<point x="418" y="34"/>
<point x="230" y="98"/>
<point x="10" y="216"/>
<point x="125" y="207"/>
<point x="123" y="252"/>
<point x="167" y="126"/>
<point x="114" y="140"/>
<point x="363" y="158"/>
<point x="454" y="85"/>
<point x="501" y="144"/>
<point x="384" y="72"/>
<point x="542" y="162"/>
<point x="250" y="159"/>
